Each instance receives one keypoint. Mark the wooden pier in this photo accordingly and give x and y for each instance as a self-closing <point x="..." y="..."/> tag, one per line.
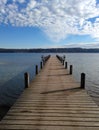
<point x="53" y="101"/>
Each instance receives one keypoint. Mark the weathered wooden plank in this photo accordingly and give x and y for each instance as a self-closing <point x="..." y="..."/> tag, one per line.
<point x="83" y="119"/>
<point x="55" y="109"/>
<point x="40" y="127"/>
<point x="27" y="113"/>
<point x="51" y="123"/>
<point x="61" y="112"/>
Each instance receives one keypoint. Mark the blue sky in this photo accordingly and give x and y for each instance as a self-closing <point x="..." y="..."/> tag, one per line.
<point x="49" y="23"/>
<point x="22" y="37"/>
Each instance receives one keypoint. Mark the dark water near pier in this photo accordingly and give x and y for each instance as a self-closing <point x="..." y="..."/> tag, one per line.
<point x="14" y="65"/>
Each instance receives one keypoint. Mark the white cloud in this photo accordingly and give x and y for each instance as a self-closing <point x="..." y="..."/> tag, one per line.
<point x="97" y="20"/>
<point x="82" y="45"/>
<point x="3" y="2"/>
<point x="31" y="4"/>
<point x="57" y="18"/>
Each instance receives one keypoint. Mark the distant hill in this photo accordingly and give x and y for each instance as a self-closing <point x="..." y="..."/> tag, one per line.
<point x="50" y="50"/>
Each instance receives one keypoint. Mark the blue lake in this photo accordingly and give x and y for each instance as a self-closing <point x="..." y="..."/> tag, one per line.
<point x="14" y="65"/>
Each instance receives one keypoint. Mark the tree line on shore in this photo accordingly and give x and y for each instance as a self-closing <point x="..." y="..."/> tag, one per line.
<point x="51" y="50"/>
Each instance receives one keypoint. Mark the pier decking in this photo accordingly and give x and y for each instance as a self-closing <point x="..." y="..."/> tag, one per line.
<point x="53" y="101"/>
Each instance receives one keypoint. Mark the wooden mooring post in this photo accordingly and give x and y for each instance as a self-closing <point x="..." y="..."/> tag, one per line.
<point x="36" y="69"/>
<point x="65" y="65"/>
<point x="41" y="65"/>
<point x="71" y="69"/>
<point x="82" y="85"/>
<point x="63" y="61"/>
<point x="26" y="80"/>
<point x="64" y="57"/>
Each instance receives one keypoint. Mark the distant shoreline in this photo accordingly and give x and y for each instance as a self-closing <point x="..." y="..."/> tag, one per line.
<point x="51" y="50"/>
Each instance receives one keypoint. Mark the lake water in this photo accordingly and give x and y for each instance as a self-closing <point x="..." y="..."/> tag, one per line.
<point x="14" y="65"/>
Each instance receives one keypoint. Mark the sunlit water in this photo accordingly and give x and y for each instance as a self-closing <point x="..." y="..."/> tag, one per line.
<point x="14" y="65"/>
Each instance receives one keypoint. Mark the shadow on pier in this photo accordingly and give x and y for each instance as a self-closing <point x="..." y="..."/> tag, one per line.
<point x="63" y="90"/>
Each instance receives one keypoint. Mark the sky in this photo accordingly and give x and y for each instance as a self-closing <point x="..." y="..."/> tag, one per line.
<point x="49" y="23"/>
